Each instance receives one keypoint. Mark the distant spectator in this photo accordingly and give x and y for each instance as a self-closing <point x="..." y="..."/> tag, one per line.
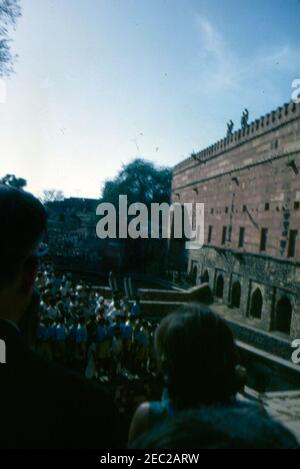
<point x="136" y="307"/>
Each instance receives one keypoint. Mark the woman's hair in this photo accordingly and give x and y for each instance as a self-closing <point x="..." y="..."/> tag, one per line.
<point x="197" y="355"/>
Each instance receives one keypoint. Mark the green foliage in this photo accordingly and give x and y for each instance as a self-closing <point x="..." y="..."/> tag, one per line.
<point x="12" y="180"/>
<point x="141" y="181"/>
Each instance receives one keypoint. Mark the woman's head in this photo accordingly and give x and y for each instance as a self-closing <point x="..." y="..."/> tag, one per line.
<point x="197" y="356"/>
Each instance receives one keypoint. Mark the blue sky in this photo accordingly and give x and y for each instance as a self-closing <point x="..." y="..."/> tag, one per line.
<point x="99" y="82"/>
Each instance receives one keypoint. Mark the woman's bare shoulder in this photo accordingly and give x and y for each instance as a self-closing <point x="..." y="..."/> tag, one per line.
<point x="140" y="422"/>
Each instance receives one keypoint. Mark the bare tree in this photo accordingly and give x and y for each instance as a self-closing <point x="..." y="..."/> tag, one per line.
<point x="52" y="195"/>
<point x="10" y="11"/>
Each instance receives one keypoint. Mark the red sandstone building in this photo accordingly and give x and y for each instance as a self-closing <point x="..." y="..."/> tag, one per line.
<point x="250" y="185"/>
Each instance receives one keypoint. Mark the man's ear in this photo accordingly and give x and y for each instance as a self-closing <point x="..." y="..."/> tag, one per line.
<point x="30" y="271"/>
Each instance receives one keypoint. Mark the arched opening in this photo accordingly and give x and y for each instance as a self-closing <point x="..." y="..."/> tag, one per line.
<point x="283" y="316"/>
<point x="236" y="295"/>
<point x="256" y="304"/>
<point x="194" y="275"/>
<point x="205" y="277"/>
<point x="219" y="286"/>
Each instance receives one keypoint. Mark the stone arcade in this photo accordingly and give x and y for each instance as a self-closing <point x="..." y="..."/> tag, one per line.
<point x="250" y="184"/>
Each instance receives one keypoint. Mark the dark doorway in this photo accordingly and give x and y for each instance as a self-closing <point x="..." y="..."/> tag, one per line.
<point x="292" y="243"/>
<point x="219" y="286"/>
<point x="194" y="275"/>
<point x="205" y="277"/>
<point x="283" y="316"/>
<point x="256" y="304"/>
<point x="236" y="295"/>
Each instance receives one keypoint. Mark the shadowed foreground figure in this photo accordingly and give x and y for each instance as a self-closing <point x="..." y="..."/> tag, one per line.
<point x="197" y="358"/>
<point x="42" y="406"/>
<point x="218" y="428"/>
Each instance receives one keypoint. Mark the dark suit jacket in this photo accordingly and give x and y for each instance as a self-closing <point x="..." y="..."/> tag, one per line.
<point x="43" y="406"/>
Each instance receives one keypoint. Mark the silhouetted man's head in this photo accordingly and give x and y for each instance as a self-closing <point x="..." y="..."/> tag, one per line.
<point x="22" y="225"/>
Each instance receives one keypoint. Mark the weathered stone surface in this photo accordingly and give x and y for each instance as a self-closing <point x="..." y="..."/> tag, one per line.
<point x="250" y="180"/>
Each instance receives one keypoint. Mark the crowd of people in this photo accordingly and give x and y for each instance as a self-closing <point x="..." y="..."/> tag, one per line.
<point x="48" y="406"/>
<point x="78" y="327"/>
<point x="67" y="244"/>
